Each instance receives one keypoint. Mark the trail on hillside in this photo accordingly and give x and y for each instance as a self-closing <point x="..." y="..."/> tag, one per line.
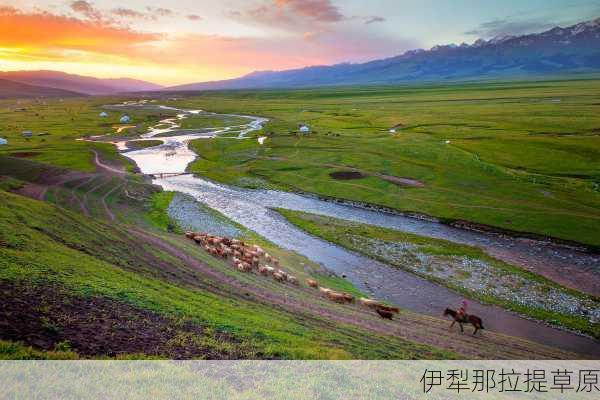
<point x="409" y="326"/>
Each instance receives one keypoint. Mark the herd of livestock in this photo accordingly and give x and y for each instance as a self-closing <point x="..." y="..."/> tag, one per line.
<point x="252" y="258"/>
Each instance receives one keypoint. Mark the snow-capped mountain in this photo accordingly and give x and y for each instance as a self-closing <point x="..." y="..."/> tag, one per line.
<point x="574" y="49"/>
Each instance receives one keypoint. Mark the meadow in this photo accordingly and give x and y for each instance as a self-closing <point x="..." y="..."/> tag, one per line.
<point x="516" y="156"/>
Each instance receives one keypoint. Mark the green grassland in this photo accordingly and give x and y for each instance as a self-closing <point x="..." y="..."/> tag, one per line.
<point x="522" y="156"/>
<point x="56" y="124"/>
<point x="104" y="237"/>
<point x="41" y="244"/>
<point x="351" y="235"/>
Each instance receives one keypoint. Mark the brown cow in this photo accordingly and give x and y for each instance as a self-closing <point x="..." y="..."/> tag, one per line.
<point x="312" y="283"/>
<point x="324" y="290"/>
<point x="395" y="310"/>
<point x="369" y="302"/>
<point x="384" y="313"/>
<point x="335" y="296"/>
<point x="348" y="297"/>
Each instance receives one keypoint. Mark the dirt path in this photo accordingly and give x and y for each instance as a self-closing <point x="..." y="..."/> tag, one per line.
<point x="106" y="167"/>
<point x="109" y="213"/>
<point x="75" y="199"/>
<point x="409" y="326"/>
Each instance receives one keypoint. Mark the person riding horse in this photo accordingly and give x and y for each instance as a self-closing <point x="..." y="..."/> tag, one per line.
<point x="462" y="311"/>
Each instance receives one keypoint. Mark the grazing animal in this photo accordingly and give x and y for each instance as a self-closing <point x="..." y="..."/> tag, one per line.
<point x="348" y="297"/>
<point x="335" y="296"/>
<point x="312" y="283"/>
<point x="464" y="319"/>
<point x="385" y="314"/>
<point x="189" y="234"/>
<point x="270" y="270"/>
<point x="324" y="291"/>
<point x="394" y="310"/>
<point x="278" y="277"/>
<point x="246" y="267"/>
<point x="263" y="270"/>
<point x="198" y="239"/>
<point x="285" y="274"/>
<point x="293" y="280"/>
<point x="369" y="302"/>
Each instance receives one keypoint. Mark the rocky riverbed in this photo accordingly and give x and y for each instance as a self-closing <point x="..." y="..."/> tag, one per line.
<point x="479" y="276"/>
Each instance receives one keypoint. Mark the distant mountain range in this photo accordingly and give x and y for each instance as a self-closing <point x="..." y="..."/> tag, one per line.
<point x="11" y="89"/>
<point x="76" y="83"/>
<point x="575" y="49"/>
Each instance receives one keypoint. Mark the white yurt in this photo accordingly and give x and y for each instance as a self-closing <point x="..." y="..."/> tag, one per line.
<point x="125" y="119"/>
<point x="103" y="114"/>
<point x="3" y="141"/>
<point x="304" y="129"/>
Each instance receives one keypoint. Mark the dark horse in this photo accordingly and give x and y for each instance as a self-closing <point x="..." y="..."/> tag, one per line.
<point x="464" y="319"/>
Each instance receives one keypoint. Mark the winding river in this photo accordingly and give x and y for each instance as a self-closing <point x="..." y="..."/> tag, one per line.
<point x="253" y="209"/>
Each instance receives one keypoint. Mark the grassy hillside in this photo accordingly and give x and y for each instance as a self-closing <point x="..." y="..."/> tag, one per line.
<point x="48" y="251"/>
<point x="518" y="156"/>
<point x="75" y="283"/>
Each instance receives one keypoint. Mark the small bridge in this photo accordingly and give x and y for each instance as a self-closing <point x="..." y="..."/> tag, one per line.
<point x="161" y="175"/>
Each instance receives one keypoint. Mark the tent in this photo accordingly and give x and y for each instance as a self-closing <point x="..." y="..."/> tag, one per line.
<point x="304" y="129"/>
<point x="3" y="141"/>
<point x="103" y="114"/>
<point x="125" y="119"/>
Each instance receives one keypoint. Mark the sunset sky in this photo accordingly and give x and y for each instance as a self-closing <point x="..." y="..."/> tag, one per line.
<point x="193" y="41"/>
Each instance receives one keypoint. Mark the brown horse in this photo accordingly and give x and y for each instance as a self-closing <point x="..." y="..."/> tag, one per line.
<point x="464" y="319"/>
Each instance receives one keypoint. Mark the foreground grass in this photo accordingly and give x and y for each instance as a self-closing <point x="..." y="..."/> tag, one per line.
<point x="41" y="244"/>
<point x="510" y="279"/>
<point x="507" y="155"/>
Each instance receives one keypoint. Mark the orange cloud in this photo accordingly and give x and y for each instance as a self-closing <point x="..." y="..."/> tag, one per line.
<point x="49" y="31"/>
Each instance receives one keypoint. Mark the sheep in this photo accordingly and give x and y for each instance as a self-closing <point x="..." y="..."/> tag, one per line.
<point x="312" y="283"/>
<point x="268" y="258"/>
<point x="283" y="273"/>
<point x="245" y="267"/>
<point x="190" y="235"/>
<point x="263" y="270"/>
<point x="270" y="270"/>
<point x="237" y="254"/>
<point x="278" y="277"/>
<point x="293" y="280"/>
<point x="255" y="262"/>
